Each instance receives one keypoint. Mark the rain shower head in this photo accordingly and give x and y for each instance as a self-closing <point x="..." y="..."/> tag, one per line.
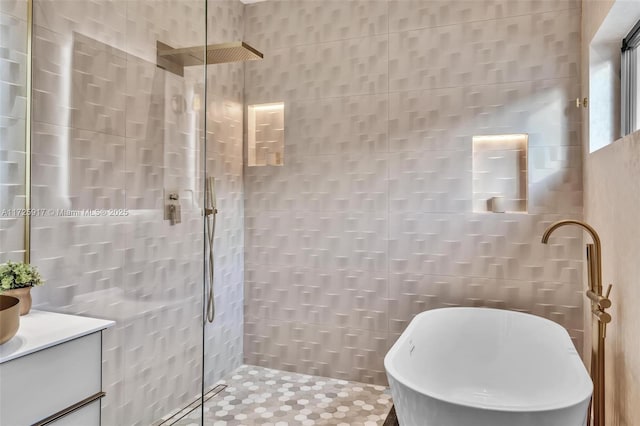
<point x="231" y="52"/>
<point x="174" y="60"/>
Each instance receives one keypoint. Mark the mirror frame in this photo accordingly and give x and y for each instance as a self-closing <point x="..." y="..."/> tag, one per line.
<point x="27" y="141"/>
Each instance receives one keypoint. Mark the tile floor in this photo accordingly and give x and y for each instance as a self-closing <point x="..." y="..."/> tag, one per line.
<point x="261" y="396"/>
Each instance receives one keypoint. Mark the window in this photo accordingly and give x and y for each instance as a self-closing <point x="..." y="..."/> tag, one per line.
<point x="630" y="84"/>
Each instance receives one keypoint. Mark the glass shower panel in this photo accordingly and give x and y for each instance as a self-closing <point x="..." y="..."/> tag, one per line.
<point x="224" y="162"/>
<point x="114" y="138"/>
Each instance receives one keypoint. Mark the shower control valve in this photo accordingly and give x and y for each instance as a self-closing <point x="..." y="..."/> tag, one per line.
<point x="172" y="208"/>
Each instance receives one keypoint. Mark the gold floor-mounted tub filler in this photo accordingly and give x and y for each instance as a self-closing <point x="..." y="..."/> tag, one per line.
<point x="599" y="303"/>
<point x="9" y="317"/>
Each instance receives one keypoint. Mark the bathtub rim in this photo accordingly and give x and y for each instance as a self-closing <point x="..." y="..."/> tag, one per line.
<point x="393" y="372"/>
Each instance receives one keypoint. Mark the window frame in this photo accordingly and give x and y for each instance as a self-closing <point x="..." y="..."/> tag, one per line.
<point x="630" y="82"/>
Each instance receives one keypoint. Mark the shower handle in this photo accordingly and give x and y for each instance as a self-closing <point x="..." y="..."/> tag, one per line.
<point x="210" y="213"/>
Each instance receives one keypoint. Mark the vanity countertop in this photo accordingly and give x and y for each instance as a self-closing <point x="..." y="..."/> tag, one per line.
<point x="40" y="330"/>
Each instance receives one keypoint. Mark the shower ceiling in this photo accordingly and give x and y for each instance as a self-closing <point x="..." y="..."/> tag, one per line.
<point x="174" y="60"/>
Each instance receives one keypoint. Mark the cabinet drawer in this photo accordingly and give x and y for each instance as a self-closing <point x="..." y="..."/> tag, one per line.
<point x="38" y="385"/>
<point x="89" y="415"/>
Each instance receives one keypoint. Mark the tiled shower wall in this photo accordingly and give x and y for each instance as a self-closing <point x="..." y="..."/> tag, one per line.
<point x="224" y="338"/>
<point x="13" y="107"/>
<point x="105" y="136"/>
<point x="370" y="220"/>
<point x="111" y="130"/>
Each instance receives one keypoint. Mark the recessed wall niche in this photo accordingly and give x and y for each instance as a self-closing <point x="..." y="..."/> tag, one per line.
<point x="500" y="173"/>
<point x="265" y="134"/>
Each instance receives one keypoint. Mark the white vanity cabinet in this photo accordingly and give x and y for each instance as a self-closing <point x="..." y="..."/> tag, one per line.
<point x="51" y="371"/>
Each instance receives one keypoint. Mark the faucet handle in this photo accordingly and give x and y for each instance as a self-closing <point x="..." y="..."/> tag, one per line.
<point x="599" y="301"/>
<point x="601" y="316"/>
<point x="608" y="291"/>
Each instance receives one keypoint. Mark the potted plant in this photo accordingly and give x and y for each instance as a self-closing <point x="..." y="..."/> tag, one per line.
<point x="16" y="279"/>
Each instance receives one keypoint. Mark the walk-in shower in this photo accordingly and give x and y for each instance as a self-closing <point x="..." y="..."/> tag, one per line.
<point x="175" y="60"/>
<point x="120" y="124"/>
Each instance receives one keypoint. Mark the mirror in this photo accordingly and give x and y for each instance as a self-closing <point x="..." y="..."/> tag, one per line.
<point x="15" y="56"/>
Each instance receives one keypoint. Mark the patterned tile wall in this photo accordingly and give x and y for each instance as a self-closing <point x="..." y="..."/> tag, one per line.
<point x="13" y="62"/>
<point x="112" y="130"/>
<point x="370" y="219"/>
<point x="225" y="113"/>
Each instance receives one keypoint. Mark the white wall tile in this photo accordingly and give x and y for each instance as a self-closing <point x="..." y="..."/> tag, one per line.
<point x="12" y="163"/>
<point x="410" y="294"/>
<point x="505" y="246"/>
<point x="405" y="15"/>
<point x="224" y="160"/>
<point x="16" y="8"/>
<point x="430" y="181"/>
<point x="339" y="125"/>
<point x="13" y="110"/>
<point x="323" y="240"/>
<point x="327" y="183"/>
<point x="274" y="24"/>
<point x="528" y="47"/>
<point x="377" y="177"/>
<point x="12" y="239"/>
<point x="339" y="352"/>
<point x="355" y="66"/>
<point x="332" y="297"/>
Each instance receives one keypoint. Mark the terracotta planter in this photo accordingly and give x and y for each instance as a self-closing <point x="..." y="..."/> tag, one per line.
<point x="24" y="295"/>
<point x="9" y="317"/>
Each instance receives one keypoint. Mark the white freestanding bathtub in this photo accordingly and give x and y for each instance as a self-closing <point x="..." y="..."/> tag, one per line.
<point x="487" y="367"/>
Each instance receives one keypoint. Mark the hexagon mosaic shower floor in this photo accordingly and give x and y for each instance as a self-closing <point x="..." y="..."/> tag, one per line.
<point x="261" y="396"/>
